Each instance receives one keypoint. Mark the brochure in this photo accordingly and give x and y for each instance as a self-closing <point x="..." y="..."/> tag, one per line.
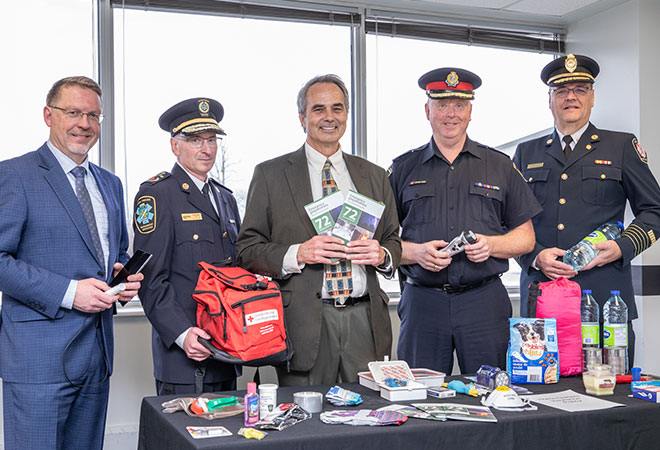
<point x="411" y="411"/>
<point x="456" y="411"/>
<point x="324" y="212"/>
<point x="358" y="218"/>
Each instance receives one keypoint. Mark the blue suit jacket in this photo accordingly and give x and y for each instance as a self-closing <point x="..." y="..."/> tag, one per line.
<point x="45" y="243"/>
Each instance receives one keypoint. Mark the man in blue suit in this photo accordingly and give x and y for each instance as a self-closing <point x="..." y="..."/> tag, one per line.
<point x="62" y="236"/>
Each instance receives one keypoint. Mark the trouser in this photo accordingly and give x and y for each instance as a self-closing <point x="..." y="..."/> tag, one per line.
<point x="346" y="347"/>
<point x="435" y="323"/>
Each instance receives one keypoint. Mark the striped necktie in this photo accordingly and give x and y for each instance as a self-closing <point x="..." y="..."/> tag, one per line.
<point x="86" y="205"/>
<point x="339" y="277"/>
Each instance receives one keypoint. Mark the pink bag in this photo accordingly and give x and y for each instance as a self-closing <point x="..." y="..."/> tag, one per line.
<point x="560" y="299"/>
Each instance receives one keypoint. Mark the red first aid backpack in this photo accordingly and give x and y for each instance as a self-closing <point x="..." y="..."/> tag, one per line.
<point x="243" y="316"/>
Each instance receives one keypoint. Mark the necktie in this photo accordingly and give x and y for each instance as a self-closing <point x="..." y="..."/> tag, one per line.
<point x="207" y="194"/>
<point x="86" y="204"/>
<point x="339" y="277"/>
<point x="568" y="139"/>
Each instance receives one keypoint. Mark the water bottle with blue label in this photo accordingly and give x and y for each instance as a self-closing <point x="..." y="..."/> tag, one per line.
<point x="590" y="314"/>
<point x="615" y="331"/>
<point x="581" y="253"/>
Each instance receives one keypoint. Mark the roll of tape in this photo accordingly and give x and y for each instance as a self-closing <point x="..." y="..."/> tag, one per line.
<point x="311" y="402"/>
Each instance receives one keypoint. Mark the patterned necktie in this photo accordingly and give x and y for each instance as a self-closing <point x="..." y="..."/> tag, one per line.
<point x="568" y="139"/>
<point x="86" y="204"/>
<point x="339" y="277"/>
<point x="207" y="194"/>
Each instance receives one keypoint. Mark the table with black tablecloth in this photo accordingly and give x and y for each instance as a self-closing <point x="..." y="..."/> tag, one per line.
<point x="636" y="425"/>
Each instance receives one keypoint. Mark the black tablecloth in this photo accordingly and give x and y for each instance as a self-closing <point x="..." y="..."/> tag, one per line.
<point x="637" y="425"/>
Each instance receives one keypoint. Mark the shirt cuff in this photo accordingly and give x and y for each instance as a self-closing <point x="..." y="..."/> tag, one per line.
<point x="181" y="338"/>
<point x="386" y="268"/>
<point x="534" y="266"/>
<point x="67" y="301"/>
<point x="290" y="264"/>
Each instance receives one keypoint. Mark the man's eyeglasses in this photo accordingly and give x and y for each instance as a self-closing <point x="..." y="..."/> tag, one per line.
<point x="198" y="142"/>
<point x="74" y="114"/>
<point x="579" y="91"/>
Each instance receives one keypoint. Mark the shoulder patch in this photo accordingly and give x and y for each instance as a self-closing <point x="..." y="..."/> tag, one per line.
<point x="145" y="214"/>
<point x="156" y="178"/>
<point x="640" y="151"/>
<point x="389" y="171"/>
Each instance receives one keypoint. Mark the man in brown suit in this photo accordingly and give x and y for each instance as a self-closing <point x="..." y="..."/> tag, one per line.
<point x="334" y="333"/>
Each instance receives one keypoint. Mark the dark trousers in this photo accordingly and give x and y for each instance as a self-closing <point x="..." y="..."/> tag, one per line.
<point x="435" y="323"/>
<point x="163" y="388"/>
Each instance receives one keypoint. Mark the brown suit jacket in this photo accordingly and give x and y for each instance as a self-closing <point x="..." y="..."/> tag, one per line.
<point x="275" y="219"/>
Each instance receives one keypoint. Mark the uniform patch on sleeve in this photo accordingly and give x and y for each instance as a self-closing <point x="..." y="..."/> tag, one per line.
<point x="145" y="214"/>
<point x="389" y="171"/>
<point x="640" y="151"/>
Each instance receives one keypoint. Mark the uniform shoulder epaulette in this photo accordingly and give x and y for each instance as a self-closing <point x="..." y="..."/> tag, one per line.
<point x="157" y="178"/>
<point x="409" y="152"/>
<point x="220" y="185"/>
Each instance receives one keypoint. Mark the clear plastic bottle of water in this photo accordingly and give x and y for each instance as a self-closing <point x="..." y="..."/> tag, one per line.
<point x="590" y="313"/>
<point x="581" y="253"/>
<point x="615" y="330"/>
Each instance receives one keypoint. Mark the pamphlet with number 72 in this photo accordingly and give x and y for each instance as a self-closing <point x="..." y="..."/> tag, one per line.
<point x="324" y="212"/>
<point x="358" y="218"/>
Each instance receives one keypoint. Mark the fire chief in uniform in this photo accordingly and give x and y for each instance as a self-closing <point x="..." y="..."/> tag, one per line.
<point x="442" y="188"/>
<point x="182" y="218"/>
<point x="583" y="176"/>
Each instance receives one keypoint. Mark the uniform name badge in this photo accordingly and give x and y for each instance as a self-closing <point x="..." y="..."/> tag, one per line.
<point x="187" y="217"/>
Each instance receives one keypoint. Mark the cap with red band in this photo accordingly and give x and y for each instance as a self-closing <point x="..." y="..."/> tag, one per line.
<point x="449" y="82"/>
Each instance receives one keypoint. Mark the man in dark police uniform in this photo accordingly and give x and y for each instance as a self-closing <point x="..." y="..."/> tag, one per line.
<point x="182" y="218"/>
<point x="582" y="185"/>
<point x="442" y="188"/>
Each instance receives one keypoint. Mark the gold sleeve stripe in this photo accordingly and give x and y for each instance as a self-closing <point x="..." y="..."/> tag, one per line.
<point x="639" y="237"/>
<point x="651" y="236"/>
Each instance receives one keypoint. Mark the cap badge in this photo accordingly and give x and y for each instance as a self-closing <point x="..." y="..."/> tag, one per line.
<point x="570" y="63"/>
<point x="204" y="107"/>
<point x="452" y="79"/>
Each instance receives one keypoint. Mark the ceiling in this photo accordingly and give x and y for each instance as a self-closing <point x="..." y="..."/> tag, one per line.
<point x="550" y="13"/>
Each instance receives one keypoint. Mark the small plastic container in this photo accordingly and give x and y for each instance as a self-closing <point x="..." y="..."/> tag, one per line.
<point x="599" y="380"/>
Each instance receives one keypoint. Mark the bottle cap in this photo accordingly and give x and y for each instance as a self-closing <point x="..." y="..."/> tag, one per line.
<point x="251" y="388"/>
<point x="586" y="291"/>
<point x="636" y="373"/>
<point x="615" y="292"/>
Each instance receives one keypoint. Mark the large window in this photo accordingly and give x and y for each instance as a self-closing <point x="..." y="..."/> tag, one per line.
<point x="253" y="67"/>
<point x="37" y="51"/>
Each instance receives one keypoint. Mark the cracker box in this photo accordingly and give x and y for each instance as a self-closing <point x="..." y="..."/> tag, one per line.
<point x="533" y="355"/>
<point x="647" y="390"/>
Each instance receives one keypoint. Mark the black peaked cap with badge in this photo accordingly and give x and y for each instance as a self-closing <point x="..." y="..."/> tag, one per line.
<point x="570" y="69"/>
<point x="192" y="116"/>
<point x="449" y="82"/>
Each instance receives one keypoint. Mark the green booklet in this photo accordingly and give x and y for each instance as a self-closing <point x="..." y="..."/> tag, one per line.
<point x="324" y="212"/>
<point x="358" y="218"/>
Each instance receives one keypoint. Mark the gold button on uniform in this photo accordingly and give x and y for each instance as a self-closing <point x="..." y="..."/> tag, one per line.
<point x="195" y="237"/>
<point x="531" y="178"/>
<point x="560" y="226"/>
<point x="602" y="176"/>
<point x="564" y="176"/>
<point x="186" y="186"/>
<point x="588" y="146"/>
<point x="562" y="201"/>
<point x="229" y="259"/>
<point x="224" y="235"/>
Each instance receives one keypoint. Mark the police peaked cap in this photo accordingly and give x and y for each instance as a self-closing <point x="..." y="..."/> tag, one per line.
<point x="192" y="116"/>
<point x="570" y="69"/>
<point x="449" y="82"/>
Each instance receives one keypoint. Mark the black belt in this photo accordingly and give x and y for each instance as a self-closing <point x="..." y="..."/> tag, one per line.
<point x="350" y="301"/>
<point x="449" y="289"/>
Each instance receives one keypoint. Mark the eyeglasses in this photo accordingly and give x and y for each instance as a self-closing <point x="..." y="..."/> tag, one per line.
<point x="198" y="142"/>
<point x="74" y="114"/>
<point x="579" y="91"/>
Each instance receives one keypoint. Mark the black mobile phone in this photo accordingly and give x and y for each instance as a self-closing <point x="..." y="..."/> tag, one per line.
<point x="133" y="266"/>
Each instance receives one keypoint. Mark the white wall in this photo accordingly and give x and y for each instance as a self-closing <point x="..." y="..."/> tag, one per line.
<point x="624" y="41"/>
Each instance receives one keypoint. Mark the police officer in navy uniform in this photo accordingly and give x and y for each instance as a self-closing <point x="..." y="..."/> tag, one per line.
<point x="445" y="187"/>
<point x="182" y="218"/>
<point x="582" y="185"/>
